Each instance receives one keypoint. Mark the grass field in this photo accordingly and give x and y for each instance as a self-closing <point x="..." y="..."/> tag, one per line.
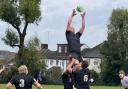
<point x="2" y="86"/>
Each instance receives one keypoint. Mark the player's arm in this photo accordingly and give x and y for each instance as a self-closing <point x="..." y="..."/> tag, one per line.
<point x="83" y="22"/>
<point x="8" y="86"/>
<point x="69" y="68"/>
<point x="37" y="85"/>
<point x="1" y="70"/>
<point x="69" y="24"/>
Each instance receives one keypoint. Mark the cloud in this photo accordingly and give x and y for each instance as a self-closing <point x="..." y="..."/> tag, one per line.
<point x="94" y="35"/>
<point x="120" y="4"/>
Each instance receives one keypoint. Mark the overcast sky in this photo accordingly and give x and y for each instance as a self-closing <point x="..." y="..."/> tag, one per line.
<point x="51" y="28"/>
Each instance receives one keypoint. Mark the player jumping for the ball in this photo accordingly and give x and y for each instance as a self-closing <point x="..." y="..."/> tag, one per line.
<point x="73" y="38"/>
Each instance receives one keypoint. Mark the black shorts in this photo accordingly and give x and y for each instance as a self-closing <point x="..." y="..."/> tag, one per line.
<point x="77" y="56"/>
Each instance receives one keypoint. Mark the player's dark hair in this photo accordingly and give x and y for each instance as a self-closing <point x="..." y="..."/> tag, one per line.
<point x="84" y="64"/>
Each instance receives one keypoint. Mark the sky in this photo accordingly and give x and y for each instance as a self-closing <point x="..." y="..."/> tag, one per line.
<point x="55" y="13"/>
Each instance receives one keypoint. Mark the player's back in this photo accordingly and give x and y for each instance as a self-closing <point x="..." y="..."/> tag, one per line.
<point x="22" y="81"/>
<point x="82" y="78"/>
<point x="73" y="41"/>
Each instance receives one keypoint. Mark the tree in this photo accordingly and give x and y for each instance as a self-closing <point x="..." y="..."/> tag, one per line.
<point x="32" y="57"/>
<point x="115" y="49"/>
<point x="19" y="14"/>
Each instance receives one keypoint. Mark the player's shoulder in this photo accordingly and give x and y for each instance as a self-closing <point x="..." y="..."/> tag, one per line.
<point x="126" y="77"/>
<point x="79" y="71"/>
<point x="29" y="76"/>
<point x="86" y="70"/>
<point x="24" y="75"/>
<point x="18" y="76"/>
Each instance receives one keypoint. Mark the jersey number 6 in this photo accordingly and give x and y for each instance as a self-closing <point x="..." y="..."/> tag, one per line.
<point x="85" y="78"/>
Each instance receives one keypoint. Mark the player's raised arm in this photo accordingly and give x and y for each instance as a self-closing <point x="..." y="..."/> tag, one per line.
<point x="69" y="68"/>
<point x="83" y="23"/>
<point x="69" y="24"/>
<point x="37" y="85"/>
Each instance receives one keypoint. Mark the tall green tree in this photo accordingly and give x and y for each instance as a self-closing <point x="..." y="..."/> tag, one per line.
<point x="115" y="49"/>
<point x="32" y="58"/>
<point x="19" y="14"/>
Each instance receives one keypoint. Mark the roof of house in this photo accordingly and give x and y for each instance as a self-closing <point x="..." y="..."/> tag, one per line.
<point x="48" y="54"/>
<point x="92" y="52"/>
<point x="86" y="53"/>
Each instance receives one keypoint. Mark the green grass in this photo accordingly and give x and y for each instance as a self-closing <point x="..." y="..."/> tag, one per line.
<point x="3" y="86"/>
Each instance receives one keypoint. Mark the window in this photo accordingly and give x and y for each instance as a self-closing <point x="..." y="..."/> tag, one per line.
<point x="98" y="67"/>
<point x="57" y="62"/>
<point x="88" y="60"/>
<point x="65" y="49"/>
<point x="60" y="63"/>
<point x="46" y="61"/>
<point x="63" y="63"/>
<point x="51" y="62"/>
<point x="59" y="49"/>
<point x="95" y="62"/>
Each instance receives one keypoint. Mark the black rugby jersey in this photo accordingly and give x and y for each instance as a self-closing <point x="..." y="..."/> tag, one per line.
<point x="22" y="81"/>
<point x="81" y="78"/>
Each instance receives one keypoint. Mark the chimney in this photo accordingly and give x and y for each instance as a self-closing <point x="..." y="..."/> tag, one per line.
<point x="44" y="46"/>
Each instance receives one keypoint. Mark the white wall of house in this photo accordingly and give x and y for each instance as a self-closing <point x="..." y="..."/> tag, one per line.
<point x="59" y="63"/>
<point x="94" y="64"/>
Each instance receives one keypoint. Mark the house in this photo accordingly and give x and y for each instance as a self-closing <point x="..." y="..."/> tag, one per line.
<point x="59" y="58"/>
<point x="94" y="57"/>
<point x="55" y="58"/>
